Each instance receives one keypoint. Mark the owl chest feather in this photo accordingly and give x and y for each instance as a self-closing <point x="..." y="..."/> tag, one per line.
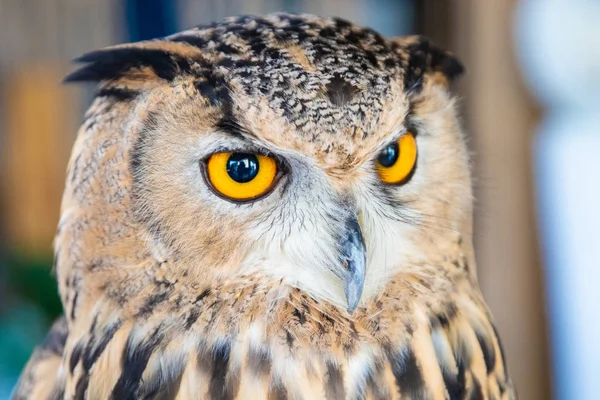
<point x="288" y="345"/>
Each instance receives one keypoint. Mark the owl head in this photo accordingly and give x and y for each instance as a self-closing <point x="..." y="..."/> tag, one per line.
<point x="305" y="151"/>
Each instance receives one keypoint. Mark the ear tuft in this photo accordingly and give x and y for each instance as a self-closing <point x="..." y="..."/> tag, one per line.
<point x="424" y="58"/>
<point x="116" y="62"/>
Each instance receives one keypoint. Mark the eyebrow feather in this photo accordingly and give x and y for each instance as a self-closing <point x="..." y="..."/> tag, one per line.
<point x="231" y="125"/>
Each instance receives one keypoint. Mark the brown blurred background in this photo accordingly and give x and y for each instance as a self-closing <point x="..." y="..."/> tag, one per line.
<point x="39" y="119"/>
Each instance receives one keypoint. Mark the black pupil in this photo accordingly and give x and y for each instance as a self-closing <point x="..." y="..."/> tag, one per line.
<point x="242" y="167"/>
<point x="389" y="155"/>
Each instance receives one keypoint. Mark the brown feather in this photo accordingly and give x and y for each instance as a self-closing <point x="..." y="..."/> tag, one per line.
<point x="173" y="293"/>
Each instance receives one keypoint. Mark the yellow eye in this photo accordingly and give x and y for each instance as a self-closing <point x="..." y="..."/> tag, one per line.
<point x="241" y="176"/>
<point x="397" y="160"/>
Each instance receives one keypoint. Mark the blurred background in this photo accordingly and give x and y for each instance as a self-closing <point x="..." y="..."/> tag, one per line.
<point x="530" y="106"/>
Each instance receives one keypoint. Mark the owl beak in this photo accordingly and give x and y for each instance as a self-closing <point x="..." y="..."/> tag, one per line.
<point x="354" y="259"/>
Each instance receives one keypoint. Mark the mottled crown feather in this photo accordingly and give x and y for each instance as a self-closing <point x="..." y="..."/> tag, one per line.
<point x="244" y="45"/>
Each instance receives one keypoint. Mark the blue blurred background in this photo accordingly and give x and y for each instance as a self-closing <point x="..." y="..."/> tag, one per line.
<point x="531" y="108"/>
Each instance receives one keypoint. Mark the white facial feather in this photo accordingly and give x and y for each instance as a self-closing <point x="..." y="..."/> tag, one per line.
<point x="293" y="234"/>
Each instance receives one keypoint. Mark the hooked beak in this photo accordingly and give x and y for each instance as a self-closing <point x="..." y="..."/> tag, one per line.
<point x="354" y="259"/>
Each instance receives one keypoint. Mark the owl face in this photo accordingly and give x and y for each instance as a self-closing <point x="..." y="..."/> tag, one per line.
<point x="304" y="150"/>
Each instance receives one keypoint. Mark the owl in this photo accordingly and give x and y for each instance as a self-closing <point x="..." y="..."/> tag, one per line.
<point x="273" y="207"/>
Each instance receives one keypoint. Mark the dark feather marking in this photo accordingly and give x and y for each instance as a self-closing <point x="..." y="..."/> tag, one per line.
<point x="229" y="124"/>
<point x="220" y="387"/>
<point x="340" y="91"/>
<point x="424" y="57"/>
<point x="361" y="394"/>
<point x="214" y="88"/>
<point x="166" y="391"/>
<point x="202" y="295"/>
<point x="208" y="91"/>
<point x="138" y="152"/>
<point x="156" y="387"/>
<point x="300" y="316"/>
<point x="451" y="310"/>
<point x="136" y="166"/>
<point x="489" y="354"/>
<point x="96" y="347"/>
<point x="407" y="373"/>
<point x="192" y="317"/>
<point x="204" y="358"/>
<point x="120" y="94"/>
<point x="227" y="49"/>
<point x="476" y="390"/>
<point x="503" y="359"/>
<point x="277" y="391"/>
<point x="233" y="383"/>
<point x="115" y="63"/>
<point x="81" y="387"/>
<point x="133" y="363"/>
<point x="192" y="40"/>
<point x="259" y="361"/>
<point x="151" y="302"/>
<point x="74" y="304"/>
<point x="502" y="387"/>
<point x="75" y="356"/>
<point x="52" y="347"/>
<point x="93" y="350"/>
<point x="377" y="390"/>
<point x="56" y="338"/>
<point x="334" y="389"/>
<point x="455" y="384"/>
<point x="94" y="324"/>
<point x="289" y="338"/>
<point x="465" y="356"/>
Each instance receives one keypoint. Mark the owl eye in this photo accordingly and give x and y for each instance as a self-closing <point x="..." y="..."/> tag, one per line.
<point x="241" y="176"/>
<point x="397" y="160"/>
